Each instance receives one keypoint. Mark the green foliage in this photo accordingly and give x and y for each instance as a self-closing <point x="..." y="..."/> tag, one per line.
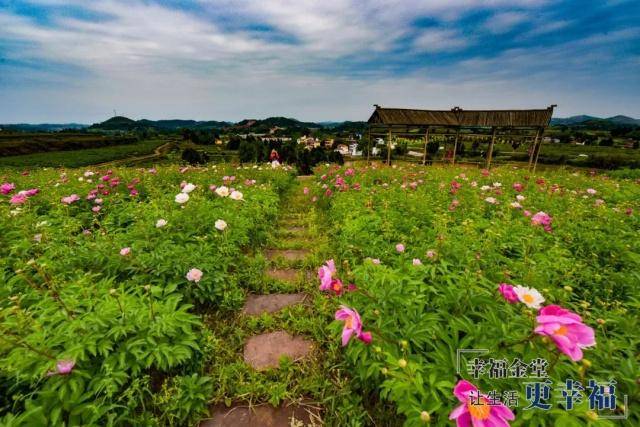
<point x="130" y="323"/>
<point x="421" y="314"/>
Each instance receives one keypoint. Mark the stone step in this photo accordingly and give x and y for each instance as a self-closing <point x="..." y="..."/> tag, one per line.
<point x="288" y="254"/>
<point x="288" y="275"/>
<point x="263" y="416"/>
<point x="258" y="304"/>
<point x="264" y="351"/>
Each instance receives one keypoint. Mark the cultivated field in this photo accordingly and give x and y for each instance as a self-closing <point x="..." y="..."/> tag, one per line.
<point x="168" y="295"/>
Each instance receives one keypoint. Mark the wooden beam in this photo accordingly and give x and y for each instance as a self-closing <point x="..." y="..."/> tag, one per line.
<point x="389" y="149"/>
<point x="535" y="163"/>
<point x="533" y="150"/>
<point x="490" y="154"/>
<point x="455" y="147"/>
<point x="426" y="142"/>
<point x="368" y="145"/>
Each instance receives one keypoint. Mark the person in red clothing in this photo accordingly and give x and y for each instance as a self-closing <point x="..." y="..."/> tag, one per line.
<point x="274" y="155"/>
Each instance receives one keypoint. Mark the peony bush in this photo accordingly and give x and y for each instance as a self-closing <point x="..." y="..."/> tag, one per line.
<point x="524" y="268"/>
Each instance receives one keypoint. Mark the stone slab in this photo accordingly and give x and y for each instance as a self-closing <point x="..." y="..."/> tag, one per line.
<point x="263" y="416"/>
<point x="288" y="254"/>
<point x="258" y="304"/>
<point x="264" y="351"/>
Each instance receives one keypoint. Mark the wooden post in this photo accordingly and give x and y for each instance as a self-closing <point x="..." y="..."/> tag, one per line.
<point x="426" y="142"/>
<point x="455" y="147"/>
<point x="535" y="163"/>
<point x="533" y="150"/>
<point x="490" y="154"/>
<point x="389" y="148"/>
<point x="368" y="144"/>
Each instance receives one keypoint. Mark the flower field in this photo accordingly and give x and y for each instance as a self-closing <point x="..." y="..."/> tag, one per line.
<point x="439" y="260"/>
<point x="124" y="295"/>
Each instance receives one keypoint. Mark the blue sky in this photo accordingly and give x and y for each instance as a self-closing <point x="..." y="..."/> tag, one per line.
<point x="78" y="60"/>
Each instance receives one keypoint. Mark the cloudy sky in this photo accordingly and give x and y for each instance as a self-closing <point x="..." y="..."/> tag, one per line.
<point x="78" y="60"/>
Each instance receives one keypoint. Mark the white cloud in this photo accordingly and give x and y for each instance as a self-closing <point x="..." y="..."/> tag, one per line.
<point x="504" y="22"/>
<point x="438" y="40"/>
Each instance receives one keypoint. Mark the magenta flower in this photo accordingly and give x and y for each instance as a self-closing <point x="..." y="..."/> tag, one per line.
<point x="508" y="293"/>
<point x="400" y="247"/>
<point x="542" y="219"/>
<point x="30" y="192"/>
<point x="63" y="367"/>
<point x="475" y="409"/>
<point x="7" y="188"/>
<point x="352" y="325"/>
<point x="566" y="330"/>
<point x="70" y="199"/>
<point x="18" y="199"/>
<point x="325" y="274"/>
<point x="96" y="209"/>
<point x="349" y="172"/>
<point x="518" y="187"/>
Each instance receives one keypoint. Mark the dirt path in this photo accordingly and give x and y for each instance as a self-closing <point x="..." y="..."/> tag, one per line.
<point x="157" y="152"/>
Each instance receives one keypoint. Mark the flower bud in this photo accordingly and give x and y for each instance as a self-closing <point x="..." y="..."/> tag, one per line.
<point x="592" y="415"/>
<point x="425" y="417"/>
<point x="384" y="371"/>
<point x="600" y="321"/>
<point x="402" y="363"/>
<point x="586" y="363"/>
<point x="147" y="288"/>
<point x="404" y="343"/>
<point x="568" y="288"/>
<point x="113" y="291"/>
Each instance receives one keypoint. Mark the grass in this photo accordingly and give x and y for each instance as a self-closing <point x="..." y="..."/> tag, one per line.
<point x="78" y="158"/>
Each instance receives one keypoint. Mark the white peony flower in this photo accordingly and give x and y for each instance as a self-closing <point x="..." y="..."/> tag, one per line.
<point x="161" y="223"/>
<point x="222" y="191"/>
<point x="529" y="296"/>
<point x="182" y="198"/>
<point x="236" y="195"/>
<point x="516" y="205"/>
<point x="188" y="188"/>
<point x="520" y="197"/>
<point x="485" y="188"/>
<point x="220" y="224"/>
<point x="491" y="200"/>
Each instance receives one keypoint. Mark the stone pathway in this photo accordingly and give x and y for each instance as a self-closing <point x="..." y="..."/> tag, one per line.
<point x="265" y="351"/>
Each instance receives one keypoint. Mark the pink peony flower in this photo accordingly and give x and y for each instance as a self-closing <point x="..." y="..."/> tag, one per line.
<point x="543" y="219"/>
<point x="325" y="274"/>
<point x="518" y="187"/>
<point x="375" y="261"/>
<point x="352" y="325"/>
<point x="416" y="261"/>
<point x="18" y="199"/>
<point x="526" y="213"/>
<point x="591" y="191"/>
<point x="194" y="275"/>
<point x="508" y="293"/>
<point x="566" y="329"/>
<point x="349" y="172"/>
<point x="400" y="247"/>
<point x="30" y="192"/>
<point x="124" y="251"/>
<point x="96" y="209"/>
<point x="475" y="409"/>
<point x="70" y="199"/>
<point x="598" y="202"/>
<point x="7" y="188"/>
<point x="63" y="367"/>
<point x="305" y="190"/>
<point x="431" y="254"/>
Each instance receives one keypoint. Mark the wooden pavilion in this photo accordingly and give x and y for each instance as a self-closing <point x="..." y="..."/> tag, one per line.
<point x="525" y="125"/>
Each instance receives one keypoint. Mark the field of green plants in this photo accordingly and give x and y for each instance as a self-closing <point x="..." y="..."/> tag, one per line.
<point x="122" y="293"/>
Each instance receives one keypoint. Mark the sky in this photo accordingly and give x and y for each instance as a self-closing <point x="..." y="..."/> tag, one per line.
<point x="327" y="60"/>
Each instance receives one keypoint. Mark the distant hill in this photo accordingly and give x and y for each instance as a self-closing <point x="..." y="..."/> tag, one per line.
<point x="42" y="127"/>
<point x="120" y="123"/>
<point x="596" y="122"/>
